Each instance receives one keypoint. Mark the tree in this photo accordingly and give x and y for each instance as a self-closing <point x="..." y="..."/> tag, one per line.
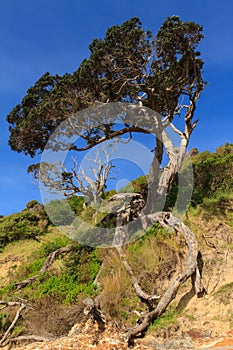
<point x="162" y="73"/>
<point x="76" y="180"/>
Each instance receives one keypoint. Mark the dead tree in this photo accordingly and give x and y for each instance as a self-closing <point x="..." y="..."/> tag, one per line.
<point x="89" y="180"/>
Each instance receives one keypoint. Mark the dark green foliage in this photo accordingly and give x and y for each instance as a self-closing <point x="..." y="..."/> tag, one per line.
<point x="128" y="63"/>
<point x="19" y="226"/>
<point x="213" y="173"/>
<point x="24" y="114"/>
<point x="32" y="204"/>
<point x="87" y="260"/>
<point x="60" y="213"/>
<point x="76" y="204"/>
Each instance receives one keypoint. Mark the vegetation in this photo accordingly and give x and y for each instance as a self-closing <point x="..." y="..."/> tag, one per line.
<point x="70" y="279"/>
<point x="24" y="225"/>
<point x="129" y="65"/>
<point x="161" y="76"/>
<point x="213" y="173"/>
<point x="224" y="293"/>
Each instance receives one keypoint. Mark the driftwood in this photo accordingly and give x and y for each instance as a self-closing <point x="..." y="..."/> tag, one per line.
<point x="11" y="327"/>
<point x="48" y="262"/>
<point x="26" y="338"/>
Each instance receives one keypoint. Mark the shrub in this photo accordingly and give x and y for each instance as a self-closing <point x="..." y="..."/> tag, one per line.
<point x="32" y="204"/>
<point x="76" y="204"/>
<point x="19" y="226"/>
<point x="213" y="173"/>
<point x="65" y="288"/>
<point x="60" y="213"/>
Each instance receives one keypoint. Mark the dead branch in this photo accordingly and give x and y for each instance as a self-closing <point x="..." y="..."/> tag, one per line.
<point x="48" y="262"/>
<point x="132" y="205"/>
<point x="11" y="327"/>
<point x="92" y="308"/>
<point x="33" y="338"/>
<point x="9" y="303"/>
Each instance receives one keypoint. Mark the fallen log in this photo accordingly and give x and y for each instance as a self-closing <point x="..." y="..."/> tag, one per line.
<point x="48" y="262"/>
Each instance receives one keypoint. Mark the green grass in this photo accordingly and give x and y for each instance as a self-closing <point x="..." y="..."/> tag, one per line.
<point x="69" y="276"/>
<point x="64" y="288"/>
<point x="168" y="319"/>
<point x="224" y="293"/>
<point x="226" y="288"/>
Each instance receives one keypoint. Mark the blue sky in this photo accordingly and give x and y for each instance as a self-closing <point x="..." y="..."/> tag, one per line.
<point x="54" y="35"/>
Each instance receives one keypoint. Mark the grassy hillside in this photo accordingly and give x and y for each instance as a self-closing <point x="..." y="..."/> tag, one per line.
<point x="27" y="238"/>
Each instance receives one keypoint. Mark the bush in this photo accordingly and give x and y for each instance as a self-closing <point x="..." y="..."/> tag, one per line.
<point x="65" y="288"/>
<point x="76" y="204"/>
<point x="19" y="226"/>
<point x="32" y="204"/>
<point x="213" y="173"/>
<point x="60" y="213"/>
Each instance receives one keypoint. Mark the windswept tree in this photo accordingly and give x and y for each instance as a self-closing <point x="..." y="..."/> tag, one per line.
<point x="162" y="73"/>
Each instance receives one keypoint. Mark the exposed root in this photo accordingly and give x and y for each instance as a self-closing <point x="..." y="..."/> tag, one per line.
<point x="193" y="269"/>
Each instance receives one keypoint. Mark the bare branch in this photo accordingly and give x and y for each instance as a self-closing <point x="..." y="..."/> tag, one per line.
<point x="11" y="327"/>
<point x="48" y="262"/>
<point x="113" y="134"/>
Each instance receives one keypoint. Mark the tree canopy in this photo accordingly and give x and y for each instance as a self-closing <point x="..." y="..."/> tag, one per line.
<point x="162" y="72"/>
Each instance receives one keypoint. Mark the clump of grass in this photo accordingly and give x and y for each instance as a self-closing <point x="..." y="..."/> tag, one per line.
<point x="115" y="284"/>
<point x="165" y="321"/>
<point x="224" y="293"/>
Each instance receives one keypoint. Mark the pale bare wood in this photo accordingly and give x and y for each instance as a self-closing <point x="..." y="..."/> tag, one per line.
<point x="11" y="327"/>
<point x="48" y="262"/>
